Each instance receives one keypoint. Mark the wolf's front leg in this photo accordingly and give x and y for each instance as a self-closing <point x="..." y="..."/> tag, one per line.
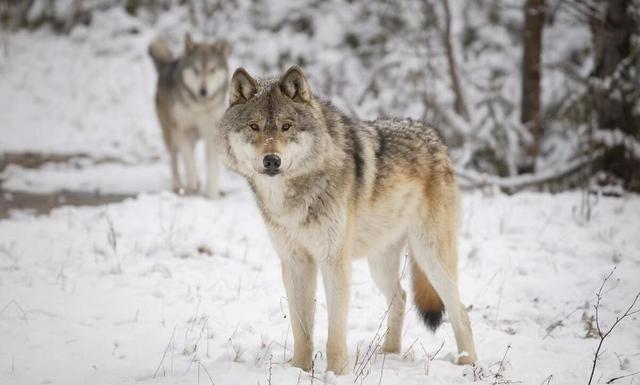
<point x="176" y="184"/>
<point x="336" y="275"/>
<point x="299" y="277"/>
<point x="186" y="145"/>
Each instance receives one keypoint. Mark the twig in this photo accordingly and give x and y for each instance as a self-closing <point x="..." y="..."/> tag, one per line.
<point x="547" y="380"/>
<point x="373" y="347"/>
<point x="557" y="323"/>
<point x="355" y="364"/>
<point x="284" y="348"/>
<point x="165" y="352"/>
<point x="430" y="357"/>
<point x="384" y="357"/>
<point x="630" y="311"/>
<point x="313" y="366"/>
<point x="112" y="240"/>
<point x="433" y="356"/>
<point x="621" y="377"/>
<point x="17" y="305"/>
<point x="501" y="366"/>
<point x="375" y="343"/>
<point x="206" y="372"/>
<point x="409" y="349"/>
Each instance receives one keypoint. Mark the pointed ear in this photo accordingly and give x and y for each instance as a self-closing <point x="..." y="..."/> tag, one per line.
<point x="243" y="87"/>
<point x="189" y="45"/>
<point x="294" y="84"/>
<point x="223" y="47"/>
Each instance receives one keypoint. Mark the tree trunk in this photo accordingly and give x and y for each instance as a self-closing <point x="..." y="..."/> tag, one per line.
<point x="615" y="88"/>
<point x="534" y="12"/>
<point x="460" y="104"/>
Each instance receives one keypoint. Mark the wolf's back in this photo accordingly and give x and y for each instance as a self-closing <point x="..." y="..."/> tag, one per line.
<point x="160" y="53"/>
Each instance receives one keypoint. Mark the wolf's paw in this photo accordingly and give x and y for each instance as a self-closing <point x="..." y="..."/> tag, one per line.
<point x="338" y="364"/>
<point x="303" y="363"/>
<point x="193" y="190"/>
<point x="389" y="346"/>
<point x="215" y="194"/>
<point x="178" y="190"/>
<point x="466" y="359"/>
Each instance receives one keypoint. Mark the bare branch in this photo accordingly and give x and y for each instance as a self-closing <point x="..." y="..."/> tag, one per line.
<point x="629" y="311"/>
<point x="471" y="179"/>
<point x="614" y="379"/>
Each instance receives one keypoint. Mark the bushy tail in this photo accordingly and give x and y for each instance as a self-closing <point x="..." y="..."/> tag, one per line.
<point x="160" y="53"/>
<point x="428" y="302"/>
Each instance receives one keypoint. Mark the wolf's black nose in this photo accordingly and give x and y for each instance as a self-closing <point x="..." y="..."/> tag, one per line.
<point x="271" y="162"/>
<point x="203" y="92"/>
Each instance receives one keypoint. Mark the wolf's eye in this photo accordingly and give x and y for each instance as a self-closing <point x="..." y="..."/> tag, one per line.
<point x="254" y="127"/>
<point x="286" y="127"/>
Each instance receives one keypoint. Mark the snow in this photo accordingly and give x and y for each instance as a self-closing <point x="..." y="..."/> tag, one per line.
<point x="80" y="310"/>
<point x="49" y="178"/>
<point x="164" y="289"/>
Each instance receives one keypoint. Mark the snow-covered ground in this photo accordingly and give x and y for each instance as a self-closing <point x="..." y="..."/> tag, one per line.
<point x="161" y="289"/>
<point x="94" y="295"/>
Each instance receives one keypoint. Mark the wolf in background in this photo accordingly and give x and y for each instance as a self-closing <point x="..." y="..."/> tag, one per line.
<point x="332" y="189"/>
<point x="190" y="99"/>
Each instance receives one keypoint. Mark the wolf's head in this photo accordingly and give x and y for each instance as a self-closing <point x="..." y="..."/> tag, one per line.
<point x="273" y="127"/>
<point x="204" y="67"/>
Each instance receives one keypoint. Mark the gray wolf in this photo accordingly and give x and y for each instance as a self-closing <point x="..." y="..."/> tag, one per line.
<point x="190" y="99"/>
<point x="332" y="189"/>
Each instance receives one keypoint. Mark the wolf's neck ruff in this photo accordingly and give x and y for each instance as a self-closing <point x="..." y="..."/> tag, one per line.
<point x="280" y="196"/>
<point x="212" y="97"/>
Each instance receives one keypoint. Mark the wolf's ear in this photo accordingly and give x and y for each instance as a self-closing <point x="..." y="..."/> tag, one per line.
<point x="189" y="45"/>
<point x="243" y="87"/>
<point x="294" y="84"/>
<point x="223" y="47"/>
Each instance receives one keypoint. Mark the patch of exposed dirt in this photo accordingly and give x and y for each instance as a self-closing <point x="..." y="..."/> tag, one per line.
<point x="36" y="160"/>
<point x="43" y="203"/>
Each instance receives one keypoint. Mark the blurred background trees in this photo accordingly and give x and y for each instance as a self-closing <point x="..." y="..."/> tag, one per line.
<point x="528" y="94"/>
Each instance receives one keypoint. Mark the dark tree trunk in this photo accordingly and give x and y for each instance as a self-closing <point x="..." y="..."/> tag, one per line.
<point x="460" y="104"/>
<point x="615" y="91"/>
<point x="534" y="11"/>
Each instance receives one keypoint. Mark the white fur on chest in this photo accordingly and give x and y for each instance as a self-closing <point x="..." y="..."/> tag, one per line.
<point x="273" y="194"/>
<point x="322" y="236"/>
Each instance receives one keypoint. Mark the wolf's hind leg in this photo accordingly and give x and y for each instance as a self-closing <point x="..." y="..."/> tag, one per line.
<point x="433" y="246"/>
<point x="299" y="275"/>
<point x="385" y="273"/>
